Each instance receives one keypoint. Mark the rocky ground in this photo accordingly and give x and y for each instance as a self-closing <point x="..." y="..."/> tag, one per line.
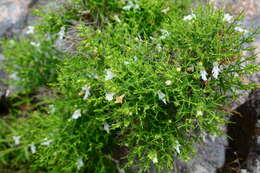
<point x="217" y="154"/>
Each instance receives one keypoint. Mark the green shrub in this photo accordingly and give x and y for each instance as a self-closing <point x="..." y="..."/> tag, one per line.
<point x="31" y="63"/>
<point x="141" y="88"/>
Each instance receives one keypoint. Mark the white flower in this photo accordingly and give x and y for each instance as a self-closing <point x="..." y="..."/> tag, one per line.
<point x="177" y="147"/>
<point x="155" y="160"/>
<point x="203" y="74"/>
<point x="117" y="19"/>
<point x="110" y="96"/>
<point x="96" y="76"/>
<point x="109" y="75"/>
<point x="121" y="170"/>
<point x="11" y="42"/>
<point x="244" y="171"/>
<point x="178" y="69"/>
<point x="135" y="58"/>
<point x="106" y="127"/>
<point x="46" y="142"/>
<point x="76" y="114"/>
<point x="165" y="34"/>
<point x="16" y="140"/>
<point x="228" y="18"/>
<point x="61" y="33"/>
<point x="86" y="89"/>
<point x="242" y="30"/>
<point x="33" y="148"/>
<point x="165" y="10"/>
<point x="80" y="163"/>
<point x="52" y="109"/>
<point x="213" y="138"/>
<point x="130" y="6"/>
<point x="35" y="44"/>
<point x="7" y="93"/>
<point x="159" y="48"/>
<point x="30" y="30"/>
<point x="168" y="82"/>
<point x="127" y="7"/>
<point x="199" y="113"/>
<point x="161" y="96"/>
<point x="136" y="6"/>
<point x="215" y="70"/>
<point x="189" y="17"/>
<point x="126" y="63"/>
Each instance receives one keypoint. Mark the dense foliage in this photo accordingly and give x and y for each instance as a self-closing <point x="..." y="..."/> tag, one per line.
<point x="140" y="85"/>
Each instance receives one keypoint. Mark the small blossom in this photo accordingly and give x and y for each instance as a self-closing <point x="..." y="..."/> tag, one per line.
<point x="61" y="33"/>
<point x="7" y="93"/>
<point x="168" y="82"/>
<point x="46" y="142"/>
<point x="96" y="76"/>
<point x="130" y="6"/>
<point x="117" y="18"/>
<point x="35" y="44"/>
<point x="203" y="75"/>
<point x="177" y="147"/>
<point x="16" y="140"/>
<point x="126" y="63"/>
<point x="165" y="10"/>
<point x="161" y="96"/>
<point x="159" y="48"/>
<point x="178" y="69"/>
<point x="215" y="70"/>
<point x="121" y="170"/>
<point x="127" y="7"/>
<point x="213" y="138"/>
<point x="244" y="171"/>
<point x="165" y="33"/>
<point x="199" y="113"/>
<point x="153" y="157"/>
<point x="106" y="127"/>
<point x="76" y="114"/>
<point x="189" y="17"/>
<point x="110" y="96"/>
<point x="51" y="109"/>
<point x="33" y="148"/>
<point x="155" y="160"/>
<point x="109" y="75"/>
<point x="80" y="163"/>
<point x="86" y="89"/>
<point x="242" y="30"/>
<point x="228" y="18"/>
<point x="30" y="30"/>
<point x="135" y="58"/>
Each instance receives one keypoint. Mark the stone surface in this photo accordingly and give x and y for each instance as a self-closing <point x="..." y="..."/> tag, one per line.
<point x="2" y="77"/>
<point x="13" y="15"/>
<point x="210" y="157"/>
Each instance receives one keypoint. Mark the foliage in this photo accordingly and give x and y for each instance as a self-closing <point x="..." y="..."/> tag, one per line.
<point x="31" y="62"/>
<point x="145" y="83"/>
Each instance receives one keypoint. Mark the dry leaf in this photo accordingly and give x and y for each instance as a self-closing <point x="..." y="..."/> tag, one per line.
<point x="119" y="99"/>
<point x="244" y="80"/>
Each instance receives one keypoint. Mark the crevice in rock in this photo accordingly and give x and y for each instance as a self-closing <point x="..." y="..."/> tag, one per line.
<point x="4" y="107"/>
<point x="242" y="133"/>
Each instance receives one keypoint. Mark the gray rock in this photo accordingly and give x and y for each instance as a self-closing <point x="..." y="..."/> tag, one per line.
<point x="3" y="76"/>
<point x="13" y="15"/>
<point x="210" y="157"/>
